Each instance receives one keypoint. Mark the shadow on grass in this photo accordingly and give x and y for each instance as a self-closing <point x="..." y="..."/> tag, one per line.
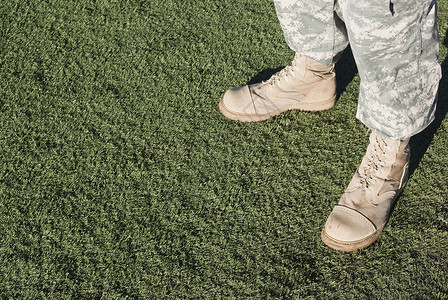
<point x="264" y="75"/>
<point x="345" y="71"/>
<point x="420" y="142"/>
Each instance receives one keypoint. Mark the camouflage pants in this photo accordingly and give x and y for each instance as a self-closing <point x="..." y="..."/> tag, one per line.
<point x="395" y="46"/>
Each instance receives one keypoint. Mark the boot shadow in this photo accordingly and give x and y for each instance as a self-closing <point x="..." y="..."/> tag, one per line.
<point x="345" y="72"/>
<point x="264" y="75"/>
<point x="419" y="143"/>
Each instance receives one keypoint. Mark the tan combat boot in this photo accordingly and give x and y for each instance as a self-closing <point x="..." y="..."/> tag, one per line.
<point x="305" y="85"/>
<point x="363" y="210"/>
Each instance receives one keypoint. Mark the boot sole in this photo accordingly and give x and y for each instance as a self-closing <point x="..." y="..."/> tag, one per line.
<point x="350" y="246"/>
<point x="302" y="106"/>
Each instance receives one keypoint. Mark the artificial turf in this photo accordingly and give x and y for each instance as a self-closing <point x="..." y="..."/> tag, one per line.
<point x="119" y="178"/>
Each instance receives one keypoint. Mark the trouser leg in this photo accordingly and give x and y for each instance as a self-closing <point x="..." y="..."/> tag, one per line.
<point x="313" y="28"/>
<point x="395" y="46"/>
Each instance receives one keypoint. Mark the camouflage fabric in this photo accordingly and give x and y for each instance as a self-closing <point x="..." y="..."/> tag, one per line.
<point x="395" y="46"/>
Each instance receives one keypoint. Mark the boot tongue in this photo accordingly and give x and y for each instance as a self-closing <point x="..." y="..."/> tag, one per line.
<point x="299" y="65"/>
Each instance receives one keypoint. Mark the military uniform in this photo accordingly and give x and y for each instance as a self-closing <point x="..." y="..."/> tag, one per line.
<point x="395" y="46"/>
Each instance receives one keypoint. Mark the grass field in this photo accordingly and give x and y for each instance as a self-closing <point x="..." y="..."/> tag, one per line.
<point x="119" y="178"/>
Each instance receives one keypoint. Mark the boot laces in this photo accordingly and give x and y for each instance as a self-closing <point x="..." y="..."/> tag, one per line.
<point x="283" y="74"/>
<point x="290" y="71"/>
<point x="369" y="170"/>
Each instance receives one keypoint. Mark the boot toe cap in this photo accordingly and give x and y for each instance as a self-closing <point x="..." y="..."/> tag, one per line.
<point x="347" y="225"/>
<point x="238" y="100"/>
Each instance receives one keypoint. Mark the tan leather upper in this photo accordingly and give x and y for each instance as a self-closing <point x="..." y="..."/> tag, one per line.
<point x="305" y="85"/>
<point x="365" y="206"/>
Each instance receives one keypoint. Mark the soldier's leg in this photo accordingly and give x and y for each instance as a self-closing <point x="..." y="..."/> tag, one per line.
<point x="313" y="30"/>
<point x="395" y="45"/>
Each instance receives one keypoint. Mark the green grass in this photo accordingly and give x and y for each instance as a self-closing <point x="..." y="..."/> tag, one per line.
<point x="119" y="178"/>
